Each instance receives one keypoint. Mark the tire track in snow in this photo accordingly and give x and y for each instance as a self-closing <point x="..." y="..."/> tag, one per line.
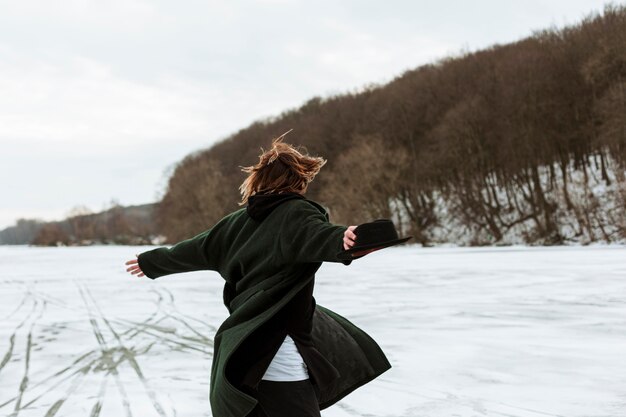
<point x="97" y="407"/>
<point x="179" y="318"/>
<point x="52" y="411"/>
<point x="163" y="337"/>
<point x="149" y="328"/>
<point x="95" y="365"/>
<point x="9" y="353"/>
<point x="29" y="344"/>
<point x="16" y="309"/>
<point x="54" y="386"/>
<point x="59" y="377"/>
<point x="82" y="365"/>
<point x="106" y="354"/>
<point x="158" y="302"/>
<point x="130" y="357"/>
<point x="53" y="381"/>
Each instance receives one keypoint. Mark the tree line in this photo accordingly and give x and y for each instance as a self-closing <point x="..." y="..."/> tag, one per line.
<point x="117" y="225"/>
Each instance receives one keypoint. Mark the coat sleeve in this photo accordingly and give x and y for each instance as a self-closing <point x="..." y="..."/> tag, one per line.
<point x="196" y="253"/>
<point x="310" y="237"/>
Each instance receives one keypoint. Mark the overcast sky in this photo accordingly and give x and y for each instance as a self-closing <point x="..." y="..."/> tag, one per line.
<point x="99" y="98"/>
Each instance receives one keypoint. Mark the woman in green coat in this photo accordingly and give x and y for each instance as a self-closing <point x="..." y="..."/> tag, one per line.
<point x="278" y="353"/>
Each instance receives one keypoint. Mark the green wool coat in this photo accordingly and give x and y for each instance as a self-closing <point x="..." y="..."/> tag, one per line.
<point x="264" y="264"/>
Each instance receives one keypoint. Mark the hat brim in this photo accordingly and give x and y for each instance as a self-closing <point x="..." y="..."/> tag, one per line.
<point x="347" y="254"/>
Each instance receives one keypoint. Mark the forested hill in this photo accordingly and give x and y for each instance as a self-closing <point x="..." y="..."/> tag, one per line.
<point x="516" y="143"/>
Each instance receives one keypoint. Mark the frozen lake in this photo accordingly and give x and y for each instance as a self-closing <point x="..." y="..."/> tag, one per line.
<point x="509" y="331"/>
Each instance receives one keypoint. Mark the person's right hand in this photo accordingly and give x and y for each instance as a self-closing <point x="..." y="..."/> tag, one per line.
<point x="134" y="267"/>
<point x="349" y="237"/>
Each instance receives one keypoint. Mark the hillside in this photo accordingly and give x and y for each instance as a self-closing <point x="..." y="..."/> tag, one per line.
<point x="516" y="143"/>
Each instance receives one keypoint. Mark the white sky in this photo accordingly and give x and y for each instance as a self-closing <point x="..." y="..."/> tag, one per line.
<point x="98" y="99"/>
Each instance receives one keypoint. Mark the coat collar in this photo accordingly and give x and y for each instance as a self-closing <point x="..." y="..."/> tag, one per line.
<point x="261" y="204"/>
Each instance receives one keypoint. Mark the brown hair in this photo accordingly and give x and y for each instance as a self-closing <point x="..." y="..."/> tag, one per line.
<point x="282" y="168"/>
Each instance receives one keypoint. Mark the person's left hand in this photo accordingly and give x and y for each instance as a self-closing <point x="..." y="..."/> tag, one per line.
<point x="134" y="268"/>
<point x="349" y="237"/>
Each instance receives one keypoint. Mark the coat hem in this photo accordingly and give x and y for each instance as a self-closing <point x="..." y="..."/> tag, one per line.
<point x="379" y="366"/>
<point x="352" y="388"/>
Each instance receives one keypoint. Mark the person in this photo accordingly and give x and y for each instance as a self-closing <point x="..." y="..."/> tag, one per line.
<point x="278" y="353"/>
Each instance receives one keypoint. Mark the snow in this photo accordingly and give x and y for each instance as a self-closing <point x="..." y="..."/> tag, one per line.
<point x="597" y="212"/>
<point x="490" y="331"/>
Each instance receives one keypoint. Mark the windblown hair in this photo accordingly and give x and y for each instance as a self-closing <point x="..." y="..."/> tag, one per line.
<point x="283" y="168"/>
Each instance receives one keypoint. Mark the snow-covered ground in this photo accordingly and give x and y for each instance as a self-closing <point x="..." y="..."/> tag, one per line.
<point x="506" y="331"/>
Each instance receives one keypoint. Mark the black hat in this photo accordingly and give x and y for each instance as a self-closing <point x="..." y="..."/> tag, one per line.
<point x="380" y="233"/>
